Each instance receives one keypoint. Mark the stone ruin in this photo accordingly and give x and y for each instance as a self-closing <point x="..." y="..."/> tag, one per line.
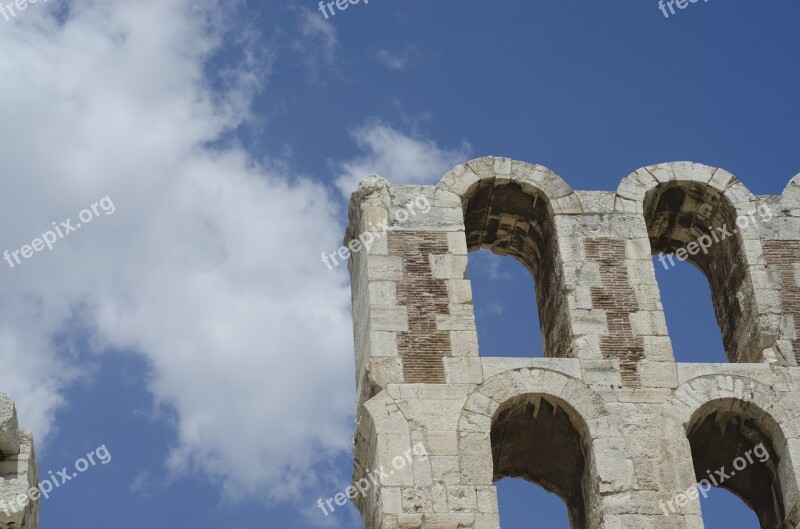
<point x="18" y="473"/>
<point x="607" y="419"/>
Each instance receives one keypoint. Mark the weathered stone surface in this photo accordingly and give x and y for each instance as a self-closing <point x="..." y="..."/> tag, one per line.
<point x="607" y="419"/>
<point x="9" y="429"/>
<point x="18" y="473"/>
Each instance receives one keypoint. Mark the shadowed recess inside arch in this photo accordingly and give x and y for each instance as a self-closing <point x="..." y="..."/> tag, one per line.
<point x="541" y="439"/>
<point x="695" y="223"/>
<point x="511" y="221"/>
<point x="738" y="447"/>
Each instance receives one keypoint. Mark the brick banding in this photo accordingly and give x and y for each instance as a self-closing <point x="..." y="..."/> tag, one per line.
<point x="785" y="255"/>
<point x="618" y="299"/>
<point x="422" y="347"/>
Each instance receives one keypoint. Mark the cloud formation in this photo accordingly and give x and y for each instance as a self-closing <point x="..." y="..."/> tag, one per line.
<point x="397" y="156"/>
<point x="399" y="60"/>
<point x="209" y="267"/>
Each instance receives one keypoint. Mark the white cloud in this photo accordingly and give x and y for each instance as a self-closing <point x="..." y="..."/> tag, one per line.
<point x="398" y="60"/>
<point x="487" y="265"/>
<point x="495" y="309"/>
<point x="316" y="42"/>
<point x="399" y="157"/>
<point x="210" y="266"/>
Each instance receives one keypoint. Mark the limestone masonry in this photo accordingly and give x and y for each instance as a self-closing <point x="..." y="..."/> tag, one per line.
<point x="17" y="470"/>
<point x="607" y="419"/>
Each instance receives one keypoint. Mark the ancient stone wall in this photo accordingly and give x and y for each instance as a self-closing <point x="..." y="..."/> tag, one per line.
<point x="607" y="419"/>
<point x="18" y="473"/>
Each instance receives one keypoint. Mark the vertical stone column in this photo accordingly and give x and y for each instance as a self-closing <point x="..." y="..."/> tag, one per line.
<point x="412" y="303"/>
<point x="780" y="239"/>
<point x="617" y="317"/>
<point x="783" y="263"/>
<point x="18" y="471"/>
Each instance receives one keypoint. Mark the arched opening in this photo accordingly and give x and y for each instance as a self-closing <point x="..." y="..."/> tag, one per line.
<point x="521" y="501"/>
<point x="689" y="311"/>
<point x="504" y="300"/>
<point x="541" y="439"/>
<point x="693" y="222"/>
<point x="509" y="220"/>
<point x="723" y="509"/>
<point x="737" y="447"/>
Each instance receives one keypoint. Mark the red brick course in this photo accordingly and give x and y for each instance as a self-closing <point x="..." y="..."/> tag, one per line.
<point x="785" y="254"/>
<point x="422" y="347"/>
<point x="618" y="299"/>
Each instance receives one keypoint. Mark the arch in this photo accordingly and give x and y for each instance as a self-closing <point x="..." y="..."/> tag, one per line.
<point x="542" y="439"/>
<point x="509" y="208"/>
<point x="790" y="199"/>
<point x="704" y="215"/>
<point x="636" y="185"/>
<point x="463" y="177"/>
<point x="727" y="416"/>
<point x="494" y="436"/>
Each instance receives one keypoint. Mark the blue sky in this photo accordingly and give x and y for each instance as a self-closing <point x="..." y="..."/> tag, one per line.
<point x="195" y="333"/>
